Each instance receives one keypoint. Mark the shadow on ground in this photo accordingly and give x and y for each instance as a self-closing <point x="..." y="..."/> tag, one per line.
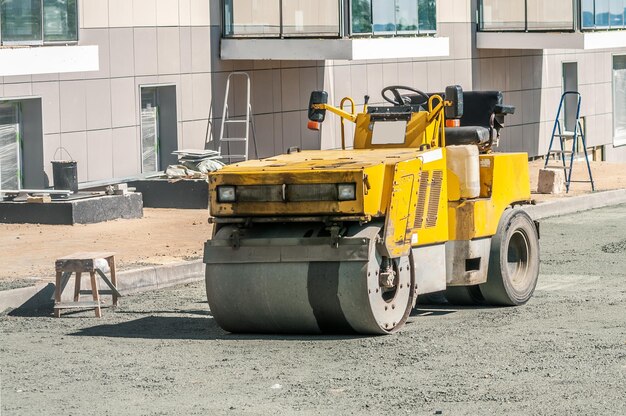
<point x="187" y="328"/>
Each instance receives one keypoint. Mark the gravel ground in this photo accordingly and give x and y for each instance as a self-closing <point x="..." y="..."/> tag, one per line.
<point x="161" y="353"/>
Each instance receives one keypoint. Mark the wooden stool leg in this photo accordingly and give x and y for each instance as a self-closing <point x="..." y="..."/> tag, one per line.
<point x="111" y="261"/>
<point x="96" y="294"/>
<point x="77" y="287"/>
<point x="57" y="294"/>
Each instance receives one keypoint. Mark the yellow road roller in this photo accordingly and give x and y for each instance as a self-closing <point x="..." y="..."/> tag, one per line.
<point x="344" y="241"/>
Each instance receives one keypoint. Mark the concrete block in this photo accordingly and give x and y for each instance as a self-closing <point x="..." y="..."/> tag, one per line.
<point x="551" y="181"/>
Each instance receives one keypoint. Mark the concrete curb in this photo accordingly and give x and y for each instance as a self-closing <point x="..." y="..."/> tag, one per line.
<point x="576" y="204"/>
<point x="158" y="277"/>
<point x="129" y="281"/>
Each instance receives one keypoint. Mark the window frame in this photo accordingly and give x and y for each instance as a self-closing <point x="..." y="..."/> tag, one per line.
<point x="42" y="41"/>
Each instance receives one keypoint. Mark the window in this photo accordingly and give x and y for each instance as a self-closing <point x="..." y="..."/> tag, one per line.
<point x="616" y="13"/>
<point x="252" y="18"/>
<point x="602" y="13"/>
<point x="159" y="127"/>
<point x="389" y="132"/>
<point x="149" y="130"/>
<point x="588" y="14"/>
<point x="306" y="17"/>
<point x="619" y="100"/>
<point x="10" y="149"/>
<point x="38" y="21"/>
<point x="265" y="18"/>
<point x="393" y="17"/>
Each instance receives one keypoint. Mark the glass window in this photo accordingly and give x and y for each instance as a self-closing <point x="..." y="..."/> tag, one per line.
<point x="616" y="10"/>
<point x="306" y="17"/>
<point x="149" y="130"/>
<point x="59" y="17"/>
<point x="384" y="16"/>
<point x="602" y="13"/>
<point x="389" y="132"/>
<point x="619" y="99"/>
<point x="549" y="15"/>
<point x="361" y="16"/>
<point x="407" y="16"/>
<point x="251" y="18"/>
<point x="20" y="20"/>
<point x="10" y="159"/>
<point x="503" y="15"/>
<point x="587" y="13"/>
<point x="38" y="21"/>
<point x="427" y="15"/>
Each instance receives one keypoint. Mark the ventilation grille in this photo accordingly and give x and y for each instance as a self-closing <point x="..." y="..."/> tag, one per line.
<point x="433" y="200"/>
<point x="421" y="200"/>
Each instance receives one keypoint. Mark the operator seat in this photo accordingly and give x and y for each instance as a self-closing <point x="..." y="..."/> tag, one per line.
<point x="482" y="120"/>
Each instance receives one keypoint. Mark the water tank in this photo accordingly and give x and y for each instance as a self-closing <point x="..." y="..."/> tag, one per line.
<point x="463" y="161"/>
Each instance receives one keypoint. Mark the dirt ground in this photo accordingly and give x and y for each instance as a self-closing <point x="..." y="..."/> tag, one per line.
<point x="607" y="176"/>
<point x="161" y="352"/>
<point x="28" y="251"/>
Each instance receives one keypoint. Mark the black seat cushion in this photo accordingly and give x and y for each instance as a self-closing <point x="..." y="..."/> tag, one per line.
<point x="456" y="136"/>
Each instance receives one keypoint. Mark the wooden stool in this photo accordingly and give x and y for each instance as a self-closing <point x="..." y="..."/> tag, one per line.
<point x="82" y="263"/>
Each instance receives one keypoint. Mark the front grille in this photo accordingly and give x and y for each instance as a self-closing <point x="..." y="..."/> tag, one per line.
<point x="311" y="192"/>
<point x="260" y="193"/>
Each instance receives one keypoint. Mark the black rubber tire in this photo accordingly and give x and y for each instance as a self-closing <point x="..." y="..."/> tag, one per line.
<point x="513" y="261"/>
<point x="464" y="295"/>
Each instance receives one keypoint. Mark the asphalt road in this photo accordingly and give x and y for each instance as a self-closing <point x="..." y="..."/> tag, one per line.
<point x="162" y="354"/>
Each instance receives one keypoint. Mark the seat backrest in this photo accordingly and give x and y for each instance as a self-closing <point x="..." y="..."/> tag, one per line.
<point x="479" y="107"/>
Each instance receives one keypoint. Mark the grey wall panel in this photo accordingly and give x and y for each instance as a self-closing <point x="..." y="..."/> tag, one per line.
<point x="168" y="50"/>
<point x="75" y="148"/>
<point x="145" y="40"/>
<point x="32" y="144"/>
<point x="100" y="154"/>
<point x="49" y="93"/>
<point x="122" y="51"/>
<point x="72" y="106"/>
<point x="98" y="37"/>
<point x="51" y="143"/>
<point x="125" y="152"/>
<point x="123" y="109"/>
<point x="201" y="49"/>
<point x="98" y="103"/>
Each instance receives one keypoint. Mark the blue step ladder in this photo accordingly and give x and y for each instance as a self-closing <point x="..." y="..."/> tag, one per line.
<point x="559" y="132"/>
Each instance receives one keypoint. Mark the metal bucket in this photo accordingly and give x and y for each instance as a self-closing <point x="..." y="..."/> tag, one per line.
<point x="65" y="175"/>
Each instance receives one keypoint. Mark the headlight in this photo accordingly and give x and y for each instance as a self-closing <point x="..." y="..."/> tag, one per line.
<point x="346" y="191"/>
<point x="226" y="193"/>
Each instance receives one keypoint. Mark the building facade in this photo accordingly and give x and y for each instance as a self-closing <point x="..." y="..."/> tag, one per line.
<point x="117" y="85"/>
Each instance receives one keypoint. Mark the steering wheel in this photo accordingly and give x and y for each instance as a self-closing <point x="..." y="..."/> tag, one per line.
<point x="399" y="99"/>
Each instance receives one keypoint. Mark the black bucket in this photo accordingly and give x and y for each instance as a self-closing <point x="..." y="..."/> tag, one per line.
<point x="65" y="175"/>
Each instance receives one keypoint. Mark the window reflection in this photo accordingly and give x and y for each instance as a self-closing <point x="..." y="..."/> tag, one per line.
<point x="384" y="16"/>
<point x="306" y="17"/>
<point x="616" y="13"/>
<point x="21" y="20"/>
<point x="390" y="17"/>
<point x="588" y="13"/>
<point x="602" y="13"/>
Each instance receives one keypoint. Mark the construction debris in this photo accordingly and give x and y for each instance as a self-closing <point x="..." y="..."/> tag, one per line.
<point x="194" y="164"/>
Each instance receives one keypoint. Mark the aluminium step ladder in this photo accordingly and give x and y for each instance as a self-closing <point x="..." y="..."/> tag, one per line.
<point x="225" y="140"/>
<point x="559" y="132"/>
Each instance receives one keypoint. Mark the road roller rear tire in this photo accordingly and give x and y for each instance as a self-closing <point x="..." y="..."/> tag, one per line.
<point x="513" y="262"/>
<point x="464" y="295"/>
<point x="283" y="291"/>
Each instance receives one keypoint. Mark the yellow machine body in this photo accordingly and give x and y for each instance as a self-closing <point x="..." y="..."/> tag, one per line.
<point x="406" y="219"/>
